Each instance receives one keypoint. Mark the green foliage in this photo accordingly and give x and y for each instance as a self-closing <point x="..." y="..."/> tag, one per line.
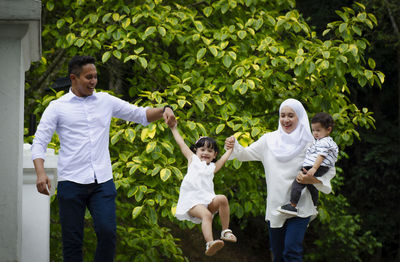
<point x="224" y="66"/>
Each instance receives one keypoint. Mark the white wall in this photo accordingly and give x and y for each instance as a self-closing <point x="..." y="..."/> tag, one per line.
<point x="19" y="46"/>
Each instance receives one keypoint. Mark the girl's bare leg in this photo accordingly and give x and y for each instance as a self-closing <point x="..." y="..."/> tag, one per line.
<point x="200" y="211"/>
<point x="220" y="203"/>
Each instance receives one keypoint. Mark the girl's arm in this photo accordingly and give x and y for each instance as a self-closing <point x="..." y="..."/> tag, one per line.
<point x="221" y="162"/>
<point x="181" y="143"/>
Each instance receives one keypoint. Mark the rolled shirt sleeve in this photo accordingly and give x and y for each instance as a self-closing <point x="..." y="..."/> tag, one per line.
<point x="129" y="112"/>
<point x="44" y="132"/>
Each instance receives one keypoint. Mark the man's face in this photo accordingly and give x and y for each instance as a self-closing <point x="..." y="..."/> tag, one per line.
<point x="84" y="84"/>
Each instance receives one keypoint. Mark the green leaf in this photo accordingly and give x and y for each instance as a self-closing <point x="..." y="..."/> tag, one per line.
<point x="117" y="54"/>
<point x="368" y="74"/>
<point x="310" y="67"/>
<point x="50" y="5"/>
<point x="232" y="54"/>
<point x="149" y="31"/>
<point x="239" y="71"/>
<point x="165" y="68"/>
<point x="353" y="49"/>
<point x="165" y="174"/>
<point x="143" y="62"/>
<point x="106" y="17"/>
<point x="255" y="131"/>
<point x="168" y="147"/>
<point x="155" y="170"/>
<point x="342" y="27"/>
<point x="357" y="30"/>
<point x="242" y="34"/>
<point x="60" y="23"/>
<point x="79" y="42"/>
<point x="201" y="53"/>
<point x="343" y="58"/>
<point x="70" y="38"/>
<point x="126" y="23"/>
<point x="136" y="212"/>
<point x="198" y="25"/>
<point x="106" y="56"/>
<point x="200" y="105"/>
<point x="150" y="147"/>
<point x="298" y="60"/>
<point x="191" y="125"/>
<point x="219" y="128"/>
<point x="326" y="32"/>
<point x="227" y="61"/>
<point x="381" y="77"/>
<point x="371" y="63"/>
<point x="326" y="54"/>
<point x="162" y="31"/>
<point x="213" y="50"/>
<point x="207" y="11"/>
<point x="130" y="134"/>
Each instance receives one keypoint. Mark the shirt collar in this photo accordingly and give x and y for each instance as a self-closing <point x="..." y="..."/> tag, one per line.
<point x="70" y="95"/>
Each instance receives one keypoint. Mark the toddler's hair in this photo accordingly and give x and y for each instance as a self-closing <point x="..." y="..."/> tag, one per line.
<point x="324" y="119"/>
<point x="205" y="141"/>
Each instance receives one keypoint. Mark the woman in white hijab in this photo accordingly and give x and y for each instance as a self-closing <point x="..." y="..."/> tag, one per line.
<point x="282" y="153"/>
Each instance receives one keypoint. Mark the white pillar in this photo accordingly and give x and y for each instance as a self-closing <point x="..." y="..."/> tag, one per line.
<point x="19" y="46"/>
<point x="36" y="209"/>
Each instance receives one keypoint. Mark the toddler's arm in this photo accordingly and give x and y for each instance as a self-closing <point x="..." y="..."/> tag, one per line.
<point x="221" y="162"/>
<point x="316" y="165"/>
<point x="181" y="143"/>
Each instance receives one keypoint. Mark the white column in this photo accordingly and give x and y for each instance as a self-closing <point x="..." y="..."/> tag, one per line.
<point x="19" y="46"/>
<point x="11" y="140"/>
<point x="36" y="209"/>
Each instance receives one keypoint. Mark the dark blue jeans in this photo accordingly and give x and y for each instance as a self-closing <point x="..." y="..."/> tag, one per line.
<point x="73" y="199"/>
<point x="287" y="241"/>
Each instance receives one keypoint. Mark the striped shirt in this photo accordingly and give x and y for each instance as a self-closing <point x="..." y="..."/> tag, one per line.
<point x="325" y="147"/>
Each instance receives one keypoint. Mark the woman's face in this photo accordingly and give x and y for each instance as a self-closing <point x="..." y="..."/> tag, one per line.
<point x="288" y="119"/>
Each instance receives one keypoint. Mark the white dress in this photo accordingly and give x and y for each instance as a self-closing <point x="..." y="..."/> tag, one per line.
<point x="197" y="188"/>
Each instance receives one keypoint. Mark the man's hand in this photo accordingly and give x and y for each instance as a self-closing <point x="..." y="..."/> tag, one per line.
<point x="169" y="117"/>
<point x="43" y="184"/>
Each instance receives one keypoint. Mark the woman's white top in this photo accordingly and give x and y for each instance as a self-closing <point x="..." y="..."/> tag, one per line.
<point x="197" y="188"/>
<point x="279" y="177"/>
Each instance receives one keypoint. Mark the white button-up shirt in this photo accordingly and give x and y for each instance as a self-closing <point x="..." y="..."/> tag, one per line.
<point x="83" y="126"/>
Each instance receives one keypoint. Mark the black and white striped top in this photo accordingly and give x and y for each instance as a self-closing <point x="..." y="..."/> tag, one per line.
<point x="325" y="147"/>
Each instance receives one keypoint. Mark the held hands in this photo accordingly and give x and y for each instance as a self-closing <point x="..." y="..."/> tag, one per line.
<point x="43" y="184"/>
<point x="229" y="142"/>
<point x="169" y="117"/>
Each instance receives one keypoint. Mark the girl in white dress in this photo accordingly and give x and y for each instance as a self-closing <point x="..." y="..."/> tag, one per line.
<point x="197" y="200"/>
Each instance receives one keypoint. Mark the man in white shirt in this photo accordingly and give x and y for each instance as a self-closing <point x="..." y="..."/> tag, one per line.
<point x="82" y="119"/>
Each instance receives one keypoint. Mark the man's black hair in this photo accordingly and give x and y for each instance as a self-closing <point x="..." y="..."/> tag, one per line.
<point x="76" y="63"/>
<point x="324" y="119"/>
<point x="205" y="141"/>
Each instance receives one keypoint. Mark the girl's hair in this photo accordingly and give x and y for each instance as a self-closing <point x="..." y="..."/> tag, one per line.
<point x="324" y="119"/>
<point x="205" y="141"/>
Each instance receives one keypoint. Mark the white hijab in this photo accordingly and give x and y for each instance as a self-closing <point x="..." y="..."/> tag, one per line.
<point x="286" y="146"/>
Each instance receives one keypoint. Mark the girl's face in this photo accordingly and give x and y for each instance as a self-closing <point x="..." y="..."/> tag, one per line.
<point x="206" y="154"/>
<point x="288" y="119"/>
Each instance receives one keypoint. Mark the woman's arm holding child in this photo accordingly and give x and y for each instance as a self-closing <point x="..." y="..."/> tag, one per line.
<point x="181" y="143"/>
